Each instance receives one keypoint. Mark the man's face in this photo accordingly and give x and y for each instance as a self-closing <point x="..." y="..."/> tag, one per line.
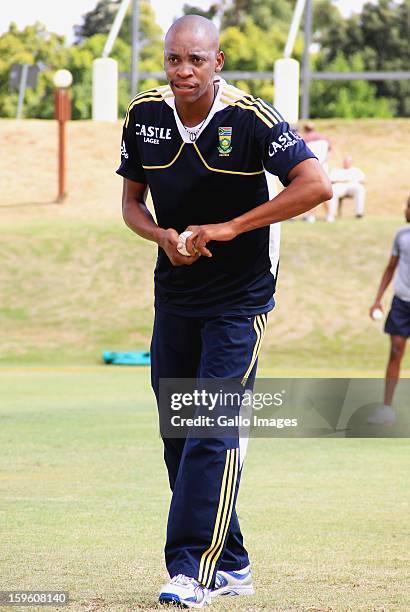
<point x="190" y="64"/>
<point x="407" y="211"/>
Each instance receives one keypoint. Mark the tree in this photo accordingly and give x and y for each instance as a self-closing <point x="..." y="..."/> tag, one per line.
<point x="264" y="13"/>
<point x="254" y="34"/>
<point x="189" y="9"/>
<point x="150" y="47"/>
<point x="31" y="45"/>
<point x="326" y="16"/>
<point x="349" y="99"/>
<point x="35" y="43"/>
<point x="252" y="49"/>
<point x="380" y="35"/>
<point x="98" y="20"/>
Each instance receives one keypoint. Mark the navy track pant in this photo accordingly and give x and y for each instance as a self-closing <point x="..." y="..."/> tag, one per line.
<point x="203" y="532"/>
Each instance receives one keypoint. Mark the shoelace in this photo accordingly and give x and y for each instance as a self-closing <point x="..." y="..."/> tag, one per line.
<point x="184" y="580"/>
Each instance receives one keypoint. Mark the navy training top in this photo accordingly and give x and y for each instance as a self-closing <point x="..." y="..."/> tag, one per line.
<point x="226" y="172"/>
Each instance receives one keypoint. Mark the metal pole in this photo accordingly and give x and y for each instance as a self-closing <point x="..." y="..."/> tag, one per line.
<point x="115" y="28"/>
<point x="306" y="61"/>
<point x="134" y="47"/>
<point x="61" y="160"/>
<point x="294" y="28"/>
<point x="63" y="114"/>
<point x="22" y="90"/>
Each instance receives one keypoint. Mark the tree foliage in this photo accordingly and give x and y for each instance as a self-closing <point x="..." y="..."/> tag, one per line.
<point x="32" y="45"/>
<point x="213" y="10"/>
<point x="380" y="34"/>
<point x="264" y="13"/>
<point x="35" y="44"/>
<point x="347" y="99"/>
<point x="244" y="51"/>
<point x="98" y="20"/>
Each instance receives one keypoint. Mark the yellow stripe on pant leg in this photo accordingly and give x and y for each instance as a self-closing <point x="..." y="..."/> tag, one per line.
<point x="228" y="495"/>
<point x="260" y="327"/>
<point x="218" y="515"/>
<point x="255" y="348"/>
<point x="219" y="527"/>
<point x="262" y="321"/>
<point x="217" y="553"/>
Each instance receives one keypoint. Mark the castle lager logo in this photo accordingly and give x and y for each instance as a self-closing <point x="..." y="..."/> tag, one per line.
<point x="225" y="140"/>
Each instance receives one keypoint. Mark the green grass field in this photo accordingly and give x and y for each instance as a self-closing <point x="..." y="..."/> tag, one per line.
<point x="72" y="288"/>
<point x="84" y="492"/>
<point x="85" y="498"/>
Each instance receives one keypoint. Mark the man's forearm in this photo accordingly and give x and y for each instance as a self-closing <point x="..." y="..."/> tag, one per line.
<point x="384" y="283"/>
<point x="299" y="197"/>
<point x="138" y="218"/>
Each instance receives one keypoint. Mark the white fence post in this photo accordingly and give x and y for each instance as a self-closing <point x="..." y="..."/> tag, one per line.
<point x="287" y="89"/>
<point x="105" y="89"/>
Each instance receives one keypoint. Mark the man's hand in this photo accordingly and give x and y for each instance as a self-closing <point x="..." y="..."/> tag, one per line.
<point x="169" y="243"/>
<point x="202" y="234"/>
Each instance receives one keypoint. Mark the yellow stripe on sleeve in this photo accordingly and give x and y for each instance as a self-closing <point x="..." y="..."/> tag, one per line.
<point x="264" y="108"/>
<point x="235" y="100"/>
<point x="251" y="107"/>
<point x="131" y="106"/>
<point x="272" y="110"/>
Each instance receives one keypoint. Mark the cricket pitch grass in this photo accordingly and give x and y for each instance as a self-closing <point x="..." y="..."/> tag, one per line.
<point x="85" y="498"/>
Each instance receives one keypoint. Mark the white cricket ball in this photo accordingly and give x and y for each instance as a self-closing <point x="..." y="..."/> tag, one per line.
<point x="377" y="314"/>
<point x="181" y="248"/>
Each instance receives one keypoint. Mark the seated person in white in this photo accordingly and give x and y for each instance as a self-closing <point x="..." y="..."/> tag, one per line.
<point x="347" y="181"/>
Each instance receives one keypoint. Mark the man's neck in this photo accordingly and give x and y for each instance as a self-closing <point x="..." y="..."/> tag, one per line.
<point x="192" y="114"/>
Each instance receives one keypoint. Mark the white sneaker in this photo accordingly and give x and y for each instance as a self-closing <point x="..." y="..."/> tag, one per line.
<point x="233" y="583"/>
<point x="184" y="592"/>
<point x="383" y="415"/>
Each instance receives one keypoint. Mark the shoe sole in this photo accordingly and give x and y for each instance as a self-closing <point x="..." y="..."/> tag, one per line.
<point x="174" y="602"/>
<point x="233" y="591"/>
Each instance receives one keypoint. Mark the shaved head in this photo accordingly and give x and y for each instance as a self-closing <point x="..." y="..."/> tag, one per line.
<point x="197" y="28"/>
<point x="191" y="59"/>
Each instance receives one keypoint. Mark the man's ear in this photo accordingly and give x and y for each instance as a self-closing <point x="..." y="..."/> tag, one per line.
<point x="220" y="60"/>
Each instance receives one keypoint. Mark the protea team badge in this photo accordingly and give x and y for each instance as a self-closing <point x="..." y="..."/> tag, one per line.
<point x="225" y="140"/>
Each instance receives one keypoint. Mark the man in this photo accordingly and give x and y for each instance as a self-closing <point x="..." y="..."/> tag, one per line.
<point x="321" y="146"/>
<point x="398" y="321"/>
<point x="202" y="147"/>
<point x="320" y="141"/>
<point x="347" y="181"/>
